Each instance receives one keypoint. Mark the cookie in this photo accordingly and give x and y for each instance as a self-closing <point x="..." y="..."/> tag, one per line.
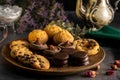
<point x="79" y="59"/>
<point x="61" y="59"/>
<point x="67" y="44"/>
<point x="26" y="54"/>
<point x="21" y="53"/>
<point x="89" y="45"/>
<point x="52" y="29"/>
<point x="38" y="47"/>
<point x="69" y="51"/>
<point x="19" y="42"/>
<point x="33" y="61"/>
<point x="43" y="62"/>
<point x="18" y="51"/>
<point x="25" y="59"/>
<point x="38" y="36"/>
<point x="51" y="51"/>
<point x="63" y="36"/>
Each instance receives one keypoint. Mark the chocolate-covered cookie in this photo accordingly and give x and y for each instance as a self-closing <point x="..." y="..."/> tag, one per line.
<point x="60" y="59"/>
<point x="69" y="51"/>
<point x="51" y="51"/>
<point x="67" y="44"/>
<point x="79" y="59"/>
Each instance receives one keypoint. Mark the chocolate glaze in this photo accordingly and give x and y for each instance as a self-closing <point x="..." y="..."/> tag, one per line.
<point x="61" y="56"/>
<point x="60" y="59"/>
<point x="69" y="51"/>
<point x="79" y="59"/>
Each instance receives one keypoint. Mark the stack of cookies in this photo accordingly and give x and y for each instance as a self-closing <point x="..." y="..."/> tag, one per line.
<point x="60" y="59"/>
<point x="79" y="58"/>
<point x="25" y="56"/>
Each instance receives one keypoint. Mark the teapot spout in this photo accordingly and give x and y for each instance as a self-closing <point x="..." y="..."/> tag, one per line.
<point x="80" y="9"/>
<point x="116" y="5"/>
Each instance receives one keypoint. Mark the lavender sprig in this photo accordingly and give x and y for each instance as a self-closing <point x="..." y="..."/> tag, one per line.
<point x="38" y="13"/>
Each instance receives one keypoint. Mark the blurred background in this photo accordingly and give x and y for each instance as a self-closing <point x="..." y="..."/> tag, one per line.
<point x="71" y="4"/>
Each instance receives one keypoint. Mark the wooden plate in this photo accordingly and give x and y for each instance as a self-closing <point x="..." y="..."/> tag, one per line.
<point x="94" y="61"/>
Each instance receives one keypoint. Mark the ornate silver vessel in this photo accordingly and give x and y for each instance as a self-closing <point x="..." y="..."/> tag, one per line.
<point x="96" y="13"/>
<point x="8" y="14"/>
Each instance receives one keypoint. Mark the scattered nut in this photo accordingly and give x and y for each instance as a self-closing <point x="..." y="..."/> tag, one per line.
<point x="110" y="72"/>
<point x="114" y="67"/>
<point x="52" y="47"/>
<point x="91" y="74"/>
<point x="67" y="43"/>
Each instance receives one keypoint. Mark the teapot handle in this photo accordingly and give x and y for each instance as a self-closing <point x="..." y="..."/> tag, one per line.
<point x="116" y="5"/>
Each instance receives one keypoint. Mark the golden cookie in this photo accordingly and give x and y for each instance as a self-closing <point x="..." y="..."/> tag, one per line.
<point x="51" y="30"/>
<point x="43" y="62"/>
<point x="63" y="36"/>
<point x="38" y="35"/>
<point x="25" y="59"/>
<point x="17" y="51"/>
<point x="26" y="55"/>
<point x="14" y="50"/>
<point x="18" y="42"/>
<point x="89" y="45"/>
<point x="33" y="61"/>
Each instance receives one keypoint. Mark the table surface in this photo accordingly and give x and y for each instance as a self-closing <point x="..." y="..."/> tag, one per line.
<point x="7" y="72"/>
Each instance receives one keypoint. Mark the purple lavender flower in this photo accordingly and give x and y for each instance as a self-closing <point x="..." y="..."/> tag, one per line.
<point x="38" y="13"/>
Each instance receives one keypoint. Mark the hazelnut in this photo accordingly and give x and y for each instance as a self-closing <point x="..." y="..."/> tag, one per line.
<point x="67" y="43"/>
<point x="52" y="47"/>
<point x="114" y="67"/>
<point x="38" y="42"/>
<point x="91" y="74"/>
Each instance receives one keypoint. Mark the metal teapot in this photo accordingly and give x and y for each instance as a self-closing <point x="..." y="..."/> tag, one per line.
<point x="96" y="13"/>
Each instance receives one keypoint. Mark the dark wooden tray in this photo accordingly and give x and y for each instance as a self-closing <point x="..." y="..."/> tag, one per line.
<point x="94" y="61"/>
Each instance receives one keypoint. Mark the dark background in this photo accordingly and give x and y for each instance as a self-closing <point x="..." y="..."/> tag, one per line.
<point x="71" y="4"/>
